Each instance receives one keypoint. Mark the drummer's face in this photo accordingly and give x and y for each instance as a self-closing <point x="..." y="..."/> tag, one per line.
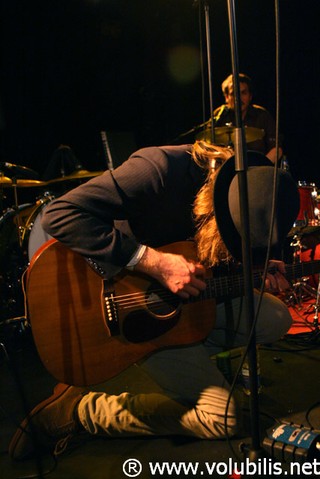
<point x="245" y="97"/>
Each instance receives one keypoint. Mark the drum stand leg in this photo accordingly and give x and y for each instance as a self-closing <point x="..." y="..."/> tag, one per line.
<point x="316" y="308"/>
<point x="300" y="293"/>
<point x="16" y="205"/>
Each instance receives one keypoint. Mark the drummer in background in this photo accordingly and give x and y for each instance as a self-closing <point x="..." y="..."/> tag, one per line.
<point x="252" y="116"/>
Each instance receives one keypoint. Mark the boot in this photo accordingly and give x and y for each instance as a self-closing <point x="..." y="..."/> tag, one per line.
<point x="52" y="420"/>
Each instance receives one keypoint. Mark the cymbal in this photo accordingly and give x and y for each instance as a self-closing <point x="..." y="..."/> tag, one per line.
<point x="224" y="135"/>
<point x="76" y="175"/>
<point x="21" y="183"/>
<point x="5" y="181"/>
<point x="18" y="171"/>
<point x="30" y="183"/>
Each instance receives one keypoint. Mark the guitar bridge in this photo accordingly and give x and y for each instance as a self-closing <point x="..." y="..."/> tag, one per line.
<point x="112" y="318"/>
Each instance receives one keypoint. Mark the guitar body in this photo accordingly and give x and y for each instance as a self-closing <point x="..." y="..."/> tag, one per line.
<point x="88" y="330"/>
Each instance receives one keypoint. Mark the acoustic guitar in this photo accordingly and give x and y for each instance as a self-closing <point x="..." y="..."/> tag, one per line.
<point x="87" y="329"/>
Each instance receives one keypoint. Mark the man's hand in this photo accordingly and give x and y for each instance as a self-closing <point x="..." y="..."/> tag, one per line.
<point x="276" y="282"/>
<point x="173" y="271"/>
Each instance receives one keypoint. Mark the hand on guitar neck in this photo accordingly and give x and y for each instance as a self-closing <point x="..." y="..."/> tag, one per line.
<point x="182" y="276"/>
<point x="276" y="282"/>
<point x="185" y="277"/>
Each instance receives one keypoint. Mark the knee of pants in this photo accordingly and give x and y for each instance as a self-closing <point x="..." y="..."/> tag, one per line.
<point x="216" y="414"/>
<point x="275" y="320"/>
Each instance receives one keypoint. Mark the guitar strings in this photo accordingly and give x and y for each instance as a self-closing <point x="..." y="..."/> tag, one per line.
<point x="222" y="286"/>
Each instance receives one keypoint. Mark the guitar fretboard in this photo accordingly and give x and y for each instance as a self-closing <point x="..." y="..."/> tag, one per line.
<point x="233" y="284"/>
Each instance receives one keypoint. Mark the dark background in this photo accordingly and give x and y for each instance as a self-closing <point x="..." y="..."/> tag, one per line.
<point x="71" y="68"/>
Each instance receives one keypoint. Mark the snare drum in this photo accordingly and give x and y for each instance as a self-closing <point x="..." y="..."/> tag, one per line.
<point x="307" y="215"/>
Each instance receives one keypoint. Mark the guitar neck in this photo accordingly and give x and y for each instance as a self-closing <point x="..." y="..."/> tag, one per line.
<point x="233" y="284"/>
<point x="299" y="270"/>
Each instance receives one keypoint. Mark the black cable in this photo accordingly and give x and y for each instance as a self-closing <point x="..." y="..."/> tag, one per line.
<point x="277" y="25"/>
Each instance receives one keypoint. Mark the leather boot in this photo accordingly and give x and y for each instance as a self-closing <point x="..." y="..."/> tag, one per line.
<point x="50" y="421"/>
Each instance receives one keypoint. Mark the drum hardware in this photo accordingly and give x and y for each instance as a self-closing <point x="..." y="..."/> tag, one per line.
<point x="10" y="212"/>
<point x="303" y="239"/>
<point x="12" y="298"/>
<point x="21" y="235"/>
<point x="302" y="297"/>
<point x="16" y="209"/>
<point x="20" y="320"/>
<point x="303" y="230"/>
<point x="316" y="308"/>
<point x="36" y="234"/>
<point x="300" y="290"/>
<point x="19" y="226"/>
<point x="13" y="331"/>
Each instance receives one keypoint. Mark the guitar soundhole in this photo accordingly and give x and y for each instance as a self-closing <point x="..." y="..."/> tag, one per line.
<point x="161" y="302"/>
<point x="161" y="314"/>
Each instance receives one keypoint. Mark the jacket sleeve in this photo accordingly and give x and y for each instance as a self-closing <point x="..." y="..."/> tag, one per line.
<point x="87" y="218"/>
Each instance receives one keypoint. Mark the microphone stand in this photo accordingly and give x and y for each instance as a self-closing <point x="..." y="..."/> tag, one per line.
<point x="208" y="44"/>
<point x="255" y="451"/>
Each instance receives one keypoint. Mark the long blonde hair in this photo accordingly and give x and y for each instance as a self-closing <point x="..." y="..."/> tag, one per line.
<point x="211" y="248"/>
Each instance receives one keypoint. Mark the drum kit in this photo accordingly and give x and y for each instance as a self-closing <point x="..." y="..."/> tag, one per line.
<point x="21" y="233"/>
<point x="303" y="299"/>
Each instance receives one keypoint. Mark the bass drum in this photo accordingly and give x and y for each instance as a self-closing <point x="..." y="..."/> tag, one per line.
<point x="34" y="234"/>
